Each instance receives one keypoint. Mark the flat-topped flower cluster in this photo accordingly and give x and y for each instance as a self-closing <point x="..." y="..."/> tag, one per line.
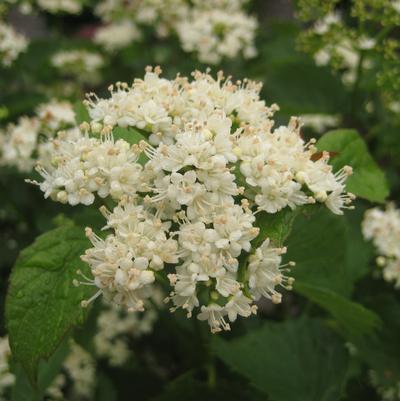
<point x="12" y="44"/>
<point x="383" y="228"/>
<point x="189" y="192"/>
<point x="213" y="29"/>
<point x="23" y="143"/>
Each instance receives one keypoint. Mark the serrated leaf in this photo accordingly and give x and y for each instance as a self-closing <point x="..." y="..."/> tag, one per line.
<point x="382" y="352"/>
<point x="42" y="304"/>
<point x="48" y="370"/>
<point x="297" y="360"/>
<point x="368" y="180"/>
<point x="354" y="318"/>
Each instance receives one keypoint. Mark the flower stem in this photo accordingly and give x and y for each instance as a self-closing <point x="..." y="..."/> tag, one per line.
<point x="211" y="373"/>
<point x="209" y="358"/>
<point x="354" y="92"/>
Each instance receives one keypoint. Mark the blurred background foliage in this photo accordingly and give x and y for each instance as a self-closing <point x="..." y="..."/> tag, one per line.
<point x="317" y="345"/>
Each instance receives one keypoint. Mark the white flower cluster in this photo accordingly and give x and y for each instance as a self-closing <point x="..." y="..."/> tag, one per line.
<point x="84" y="166"/>
<point x="218" y="33"/>
<point x="61" y="6"/>
<point x="79" y="369"/>
<point x="341" y="47"/>
<point x="213" y="30"/>
<point x="11" y="44"/>
<point x="117" y="35"/>
<point x="81" y="64"/>
<point x="7" y="379"/>
<point x="383" y="228"/>
<point x="320" y="122"/>
<point x="21" y="144"/>
<point x="396" y="5"/>
<point x="189" y="211"/>
<point x="386" y="392"/>
<point x="115" y="328"/>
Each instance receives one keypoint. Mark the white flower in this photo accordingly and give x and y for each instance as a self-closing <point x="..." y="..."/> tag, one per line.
<point x="240" y="305"/>
<point x="319" y="122"/>
<point x="56" y="115"/>
<point x="115" y="328"/>
<point x="56" y="6"/>
<point x="396" y="5"/>
<point x="123" y="264"/>
<point x="215" y="34"/>
<point x="266" y="272"/>
<point x="87" y="165"/>
<point x="19" y="143"/>
<point x="82" y="64"/>
<point x="118" y="35"/>
<point x="81" y="368"/>
<point x="7" y="379"/>
<point x="322" y="57"/>
<point x="323" y="25"/>
<point x="11" y="44"/>
<point x="215" y="316"/>
<point x="383" y="228"/>
<point x="210" y="161"/>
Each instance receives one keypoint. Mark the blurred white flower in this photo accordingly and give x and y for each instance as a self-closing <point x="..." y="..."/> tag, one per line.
<point x="64" y="6"/>
<point x="383" y="228"/>
<point x="215" y="34"/>
<point x="11" y="44"/>
<point x="117" y="35"/>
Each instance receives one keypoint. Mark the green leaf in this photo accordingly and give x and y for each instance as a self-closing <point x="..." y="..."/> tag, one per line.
<point x="190" y="386"/>
<point x="105" y="390"/>
<point x="318" y="246"/>
<point x="359" y="252"/>
<point x="296" y="360"/>
<point x="326" y="268"/>
<point x="354" y="319"/>
<point x="81" y="113"/>
<point x="48" y="370"/>
<point x="130" y="135"/>
<point x="22" y="389"/>
<point x="276" y="227"/>
<point x="368" y="180"/>
<point x="42" y="304"/>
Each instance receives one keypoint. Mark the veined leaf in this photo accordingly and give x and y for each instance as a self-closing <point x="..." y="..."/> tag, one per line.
<point x="297" y="360"/>
<point x="368" y="180"/>
<point x="42" y="303"/>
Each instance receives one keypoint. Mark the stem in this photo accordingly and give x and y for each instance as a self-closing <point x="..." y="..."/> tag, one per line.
<point x="205" y="337"/>
<point x="210" y="364"/>
<point x="356" y="85"/>
<point x="211" y="374"/>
